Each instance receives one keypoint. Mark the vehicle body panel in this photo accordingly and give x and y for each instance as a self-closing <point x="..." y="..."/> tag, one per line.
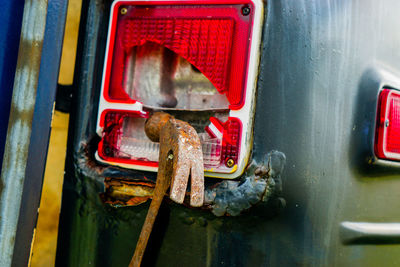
<point x="322" y="66"/>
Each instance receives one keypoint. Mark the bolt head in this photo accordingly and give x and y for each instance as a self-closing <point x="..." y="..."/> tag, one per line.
<point x="230" y="163"/>
<point x="246" y="10"/>
<point x="124" y="10"/>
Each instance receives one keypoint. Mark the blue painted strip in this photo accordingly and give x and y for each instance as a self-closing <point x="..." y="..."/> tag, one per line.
<point x="10" y="30"/>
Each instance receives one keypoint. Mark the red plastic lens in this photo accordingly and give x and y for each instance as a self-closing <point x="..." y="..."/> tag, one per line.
<point x="110" y="146"/>
<point x="230" y="133"/>
<point x="204" y="43"/>
<point x="387" y="139"/>
<point x="214" y="39"/>
<point x="230" y="140"/>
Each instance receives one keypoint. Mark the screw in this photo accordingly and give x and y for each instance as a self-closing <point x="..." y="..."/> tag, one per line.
<point x="246" y="10"/>
<point x="107" y="150"/>
<point x="124" y="10"/>
<point x="387" y="123"/>
<point x="230" y="163"/>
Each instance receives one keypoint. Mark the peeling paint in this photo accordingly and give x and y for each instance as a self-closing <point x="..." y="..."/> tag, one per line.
<point x="19" y="127"/>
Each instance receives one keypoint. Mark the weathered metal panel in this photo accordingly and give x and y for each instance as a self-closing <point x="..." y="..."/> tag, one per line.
<point x="41" y="124"/>
<point x="20" y="123"/>
<point x="316" y="103"/>
<point x="10" y="30"/>
<point x="29" y="126"/>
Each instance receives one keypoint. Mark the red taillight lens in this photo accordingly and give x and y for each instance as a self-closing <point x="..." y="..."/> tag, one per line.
<point x="195" y="59"/>
<point x="214" y="39"/>
<point x="387" y="138"/>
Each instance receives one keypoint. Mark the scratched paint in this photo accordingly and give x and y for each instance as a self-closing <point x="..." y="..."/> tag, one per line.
<point x="19" y="127"/>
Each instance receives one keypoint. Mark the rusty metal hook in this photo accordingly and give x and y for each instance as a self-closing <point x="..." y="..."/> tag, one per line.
<point x="180" y="156"/>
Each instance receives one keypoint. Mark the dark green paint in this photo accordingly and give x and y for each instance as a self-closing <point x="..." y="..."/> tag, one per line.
<point x="313" y="103"/>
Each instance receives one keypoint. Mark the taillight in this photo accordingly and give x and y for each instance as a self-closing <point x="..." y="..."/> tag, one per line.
<point x="194" y="59"/>
<point x="387" y="138"/>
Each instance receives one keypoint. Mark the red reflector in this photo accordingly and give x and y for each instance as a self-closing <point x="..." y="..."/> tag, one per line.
<point x="230" y="141"/>
<point x="387" y="139"/>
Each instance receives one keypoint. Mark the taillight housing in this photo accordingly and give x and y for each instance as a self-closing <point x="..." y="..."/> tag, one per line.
<point x="387" y="137"/>
<point x="198" y="61"/>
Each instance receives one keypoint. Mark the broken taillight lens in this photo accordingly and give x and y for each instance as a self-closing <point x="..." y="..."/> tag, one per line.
<point x="387" y="138"/>
<point x="194" y="59"/>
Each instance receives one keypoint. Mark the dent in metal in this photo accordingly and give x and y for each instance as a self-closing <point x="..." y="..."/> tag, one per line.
<point x="19" y="127"/>
<point x="369" y="233"/>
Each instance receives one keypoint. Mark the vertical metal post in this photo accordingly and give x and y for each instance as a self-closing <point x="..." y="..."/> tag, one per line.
<point x="29" y="126"/>
<point x="10" y="31"/>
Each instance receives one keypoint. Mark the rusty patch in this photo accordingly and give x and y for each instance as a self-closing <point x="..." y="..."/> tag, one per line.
<point x="179" y="140"/>
<point x="125" y="192"/>
<point x="153" y="126"/>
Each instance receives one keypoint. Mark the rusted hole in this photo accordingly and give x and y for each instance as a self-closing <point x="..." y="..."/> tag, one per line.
<point x="125" y="192"/>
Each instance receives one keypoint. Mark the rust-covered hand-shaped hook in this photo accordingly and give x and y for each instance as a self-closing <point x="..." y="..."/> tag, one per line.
<point x="179" y="139"/>
<point x="180" y="155"/>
